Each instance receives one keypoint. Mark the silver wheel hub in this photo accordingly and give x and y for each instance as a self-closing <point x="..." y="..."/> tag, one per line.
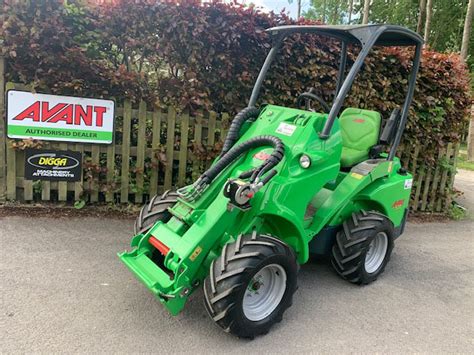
<point x="264" y="292"/>
<point x="376" y="253"/>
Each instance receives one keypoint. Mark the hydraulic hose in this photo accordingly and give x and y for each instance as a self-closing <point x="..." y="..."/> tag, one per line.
<point x="246" y="114"/>
<point x="237" y="151"/>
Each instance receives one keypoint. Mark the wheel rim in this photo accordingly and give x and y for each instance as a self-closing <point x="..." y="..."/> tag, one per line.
<point x="376" y="253"/>
<point x="264" y="292"/>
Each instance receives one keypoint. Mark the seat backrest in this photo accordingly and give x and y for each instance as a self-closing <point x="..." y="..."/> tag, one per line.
<point x="360" y="131"/>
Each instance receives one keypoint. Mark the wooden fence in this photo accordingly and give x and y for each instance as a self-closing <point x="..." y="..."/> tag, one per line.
<point x="432" y="186"/>
<point x="153" y="151"/>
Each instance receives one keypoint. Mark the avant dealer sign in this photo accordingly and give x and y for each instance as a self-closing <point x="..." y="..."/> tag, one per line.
<point x="59" y="118"/>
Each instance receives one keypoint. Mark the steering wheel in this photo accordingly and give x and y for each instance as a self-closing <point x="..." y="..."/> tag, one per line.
<point x="307" y="97"/>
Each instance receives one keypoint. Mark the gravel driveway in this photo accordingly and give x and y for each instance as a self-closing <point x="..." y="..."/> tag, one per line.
<point x="64" y="290"/>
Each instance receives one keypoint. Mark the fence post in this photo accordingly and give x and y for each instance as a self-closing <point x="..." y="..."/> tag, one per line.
<point x="124" y="180"/>
<point x="3" y="135"/>
<point x="171" y="121"/>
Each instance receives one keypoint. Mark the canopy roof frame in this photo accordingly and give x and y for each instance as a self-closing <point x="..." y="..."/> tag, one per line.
<point x="388" y="35"/>
<point x="367" y="36"/>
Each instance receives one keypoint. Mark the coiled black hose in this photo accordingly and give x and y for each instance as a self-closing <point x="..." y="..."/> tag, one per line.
<point x="246" y="114"/>
<point x="237" y="151"/>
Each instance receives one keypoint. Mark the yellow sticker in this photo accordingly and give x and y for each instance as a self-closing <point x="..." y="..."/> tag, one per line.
<point x="195" y="253"/>
<point x="390" y="167"/>
<point x="357" y="176"/>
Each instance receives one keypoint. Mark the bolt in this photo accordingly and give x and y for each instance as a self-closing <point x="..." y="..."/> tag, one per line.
<point x="255" y="285"/>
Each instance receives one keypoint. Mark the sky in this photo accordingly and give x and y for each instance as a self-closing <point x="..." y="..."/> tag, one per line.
<point x="278" y="5"/>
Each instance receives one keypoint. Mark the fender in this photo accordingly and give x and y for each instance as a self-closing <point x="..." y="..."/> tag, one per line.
<point x="279" y="225"/>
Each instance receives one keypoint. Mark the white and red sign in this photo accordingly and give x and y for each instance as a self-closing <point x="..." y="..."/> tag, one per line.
<point x="59" y="118"/>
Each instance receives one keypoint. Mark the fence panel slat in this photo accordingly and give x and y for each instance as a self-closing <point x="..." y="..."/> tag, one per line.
<point x="95" y="159"/>
<point x="434" y="196"/>
<point x="11" y="172"/>
<point x="444" y="177"/>
<point x="225" y="121"/>
<point x="28" y="190"/>
<point x="27" y="184"/>
<point x="79" y="185"/>
<point x="141" y="148"/>
<point x="62" y="185"/>
<point x="46" y="190"/>
<point x="211" y="129"/>
<point x="183" y="149"/>
<point x="426" y="189"/>
<point x="419" y="182"/>
<point x="155" y="146"/>
<point x="124" y="181"/>
<point x="170" y="148"/>
<point x="109" y="195"/>
<point x="197" y="142"/>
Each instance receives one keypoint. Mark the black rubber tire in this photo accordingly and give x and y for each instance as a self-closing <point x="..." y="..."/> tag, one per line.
<point x="352" y="244"/>
<point x="231" y="273"/>
<point x="155" y="210"/>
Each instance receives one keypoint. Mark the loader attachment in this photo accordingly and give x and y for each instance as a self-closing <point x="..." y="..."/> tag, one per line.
<point x="172" y="258"/>
<point x="154" y="278"/>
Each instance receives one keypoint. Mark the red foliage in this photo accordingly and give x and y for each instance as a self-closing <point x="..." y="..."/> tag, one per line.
<point x="196" y="55"/>
<point x="41" y="40"/>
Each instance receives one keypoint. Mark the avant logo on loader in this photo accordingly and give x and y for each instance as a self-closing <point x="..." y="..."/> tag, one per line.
<point x="398" y="204"/>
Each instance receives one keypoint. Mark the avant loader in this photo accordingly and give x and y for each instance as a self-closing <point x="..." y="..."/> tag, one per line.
<point x="290" y="182"/>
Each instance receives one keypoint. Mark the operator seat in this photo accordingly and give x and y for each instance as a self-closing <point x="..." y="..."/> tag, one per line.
<point x="360" y="131"/>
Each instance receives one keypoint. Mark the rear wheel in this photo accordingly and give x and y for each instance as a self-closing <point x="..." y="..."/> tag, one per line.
<point x="363" y="247"/>
<point x="154" y="211"/>
<point x="251" y="285"/>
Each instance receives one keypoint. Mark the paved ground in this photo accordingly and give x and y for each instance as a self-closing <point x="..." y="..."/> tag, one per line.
<point x="465" y="183"/>
<point x="64" y="290"/>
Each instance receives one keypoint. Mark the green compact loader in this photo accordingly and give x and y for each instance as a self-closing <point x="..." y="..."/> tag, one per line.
<point x="289" y="183"/>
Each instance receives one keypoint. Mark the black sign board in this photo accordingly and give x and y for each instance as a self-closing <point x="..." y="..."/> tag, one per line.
<point x="55" y="165"/>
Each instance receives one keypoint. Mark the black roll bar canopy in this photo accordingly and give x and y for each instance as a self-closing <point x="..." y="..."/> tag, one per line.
<point x="365" y="36"/>
<point x="390" y="35"/>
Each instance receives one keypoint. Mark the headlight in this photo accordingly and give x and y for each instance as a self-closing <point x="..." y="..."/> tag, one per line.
<point x="305" y="161"/>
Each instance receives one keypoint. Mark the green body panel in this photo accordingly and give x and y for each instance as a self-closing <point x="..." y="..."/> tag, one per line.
<point x="360" y="131"/>
<point x="294" y="206"/>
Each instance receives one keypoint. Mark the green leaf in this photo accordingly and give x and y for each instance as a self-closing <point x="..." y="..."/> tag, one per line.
<point x="79" y="204"/>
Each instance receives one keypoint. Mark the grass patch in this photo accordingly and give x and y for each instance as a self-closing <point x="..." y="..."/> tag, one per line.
<point x="456" y="212"/>
<point x="462" y="159"/>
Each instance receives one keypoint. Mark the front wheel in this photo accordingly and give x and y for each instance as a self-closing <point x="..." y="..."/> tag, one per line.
<point x="251" y="285"/>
